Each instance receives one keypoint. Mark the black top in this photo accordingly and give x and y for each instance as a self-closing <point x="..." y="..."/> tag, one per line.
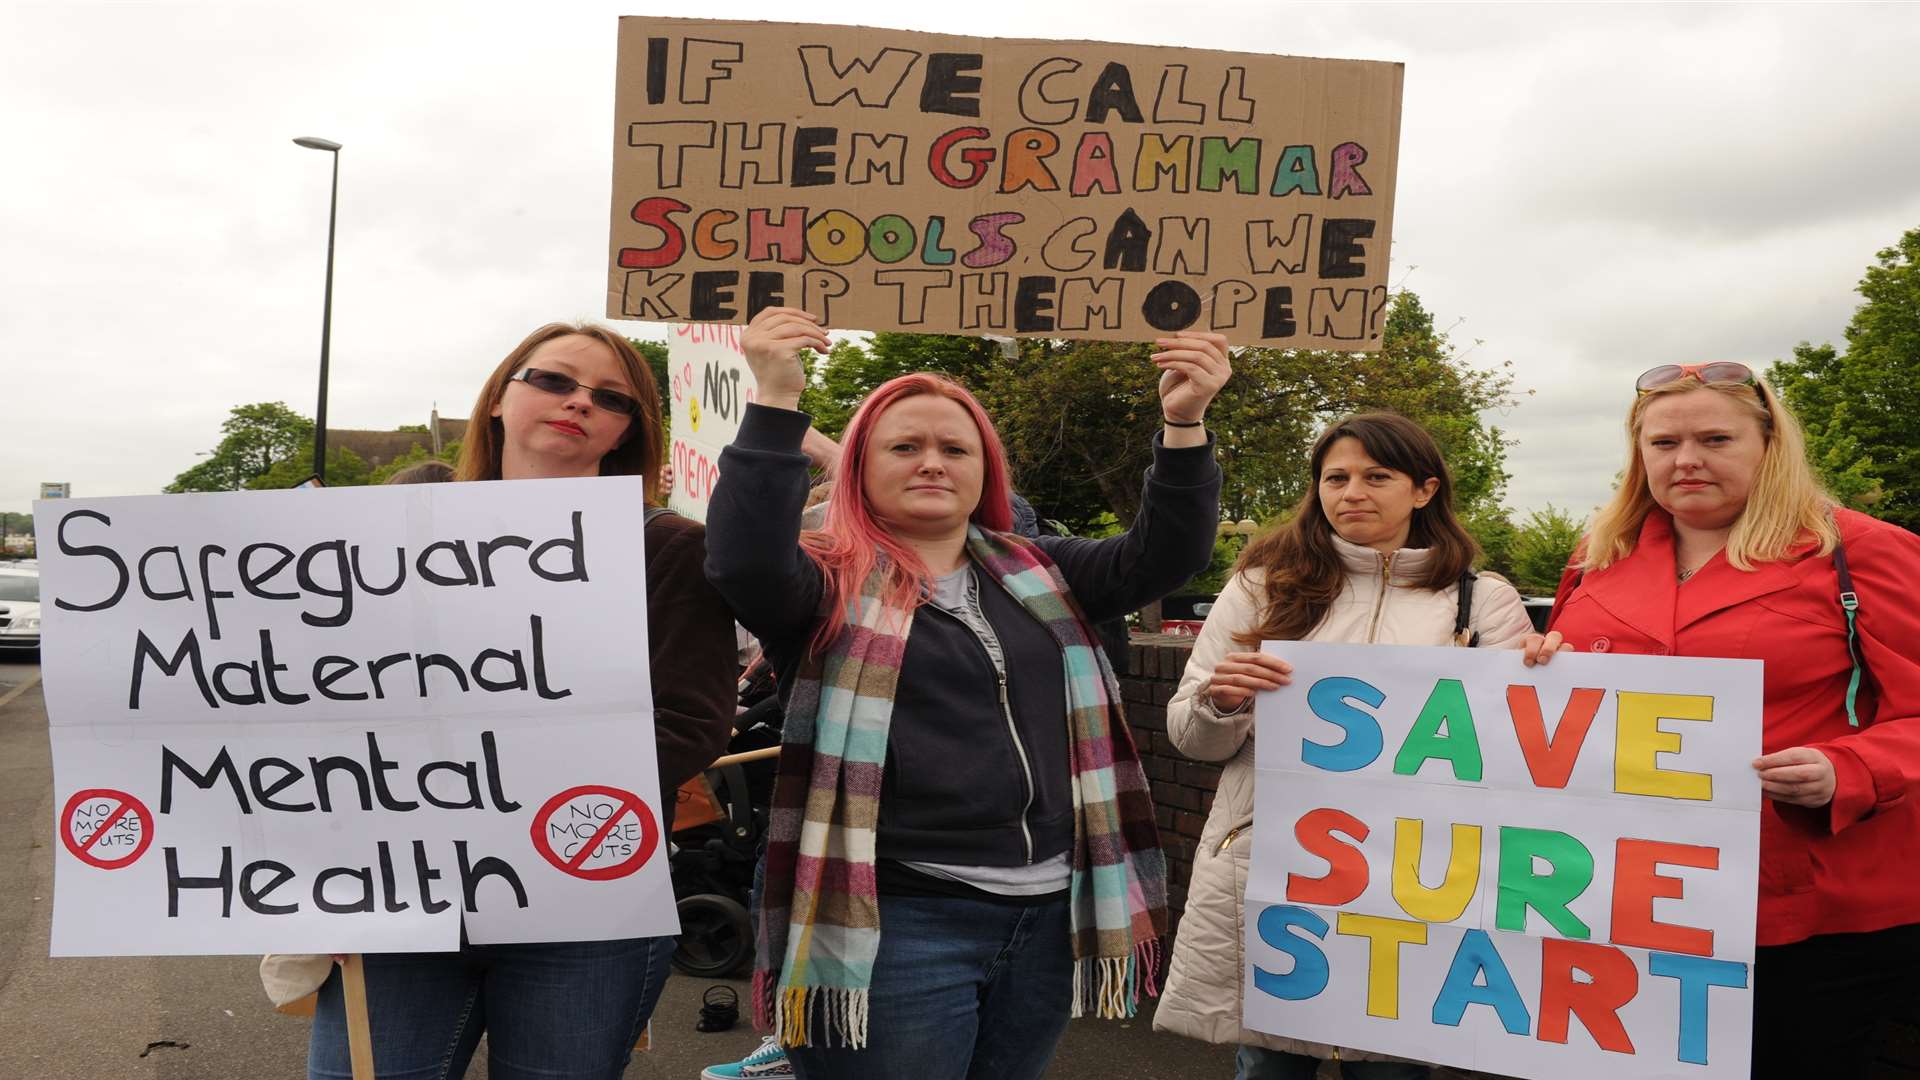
<point x="955" y="788"/>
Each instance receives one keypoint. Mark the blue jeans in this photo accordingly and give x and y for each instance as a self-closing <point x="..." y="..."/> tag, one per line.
<point x="961" y="989"/>
<point x="552" y="1010"/>
<point x="1260" y="1063"/>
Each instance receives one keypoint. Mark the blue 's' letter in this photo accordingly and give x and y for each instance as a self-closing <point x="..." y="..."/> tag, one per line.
<point x="1329" y="701"/>
<point x="1309" y="975"/>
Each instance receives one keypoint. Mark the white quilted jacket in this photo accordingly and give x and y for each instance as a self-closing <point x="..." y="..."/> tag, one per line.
<point x="1377" y="605"/>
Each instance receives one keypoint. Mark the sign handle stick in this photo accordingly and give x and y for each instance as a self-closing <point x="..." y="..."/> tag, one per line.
<point x="353" y="984"/>
<point x="745" y="756"/>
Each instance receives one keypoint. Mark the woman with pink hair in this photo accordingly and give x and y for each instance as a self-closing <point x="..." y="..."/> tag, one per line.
<point x="961" y="851"/>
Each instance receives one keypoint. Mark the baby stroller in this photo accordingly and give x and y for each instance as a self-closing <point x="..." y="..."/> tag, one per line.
<point x="720" y="821"/>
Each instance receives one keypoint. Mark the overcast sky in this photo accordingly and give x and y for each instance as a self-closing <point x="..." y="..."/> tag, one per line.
<point x="1584" y="191"/>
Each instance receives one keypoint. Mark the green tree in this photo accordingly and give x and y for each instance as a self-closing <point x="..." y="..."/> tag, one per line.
<point x="1540" y="549"/>
<point x="1861" y="408"/>
<point x="344" y="469"/>
<point x="1492" y="527"/>
<point x="1077" y="417"/>
<point x="655" y="354"/>
<point x="851" y="371"/>
<point x="1417" y="373"/>
<point x="253" y="439"/>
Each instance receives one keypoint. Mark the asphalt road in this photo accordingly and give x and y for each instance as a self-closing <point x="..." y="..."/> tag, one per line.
<point x="175" y="1018"/>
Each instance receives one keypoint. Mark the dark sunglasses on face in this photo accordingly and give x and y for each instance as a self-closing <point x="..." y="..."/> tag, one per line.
<point x="554" y="382"/>
<point x="1720" y="371"/>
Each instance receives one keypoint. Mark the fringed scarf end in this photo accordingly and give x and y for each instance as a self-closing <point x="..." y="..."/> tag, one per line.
<point x="1109" y="987"/>
<point x="842" y="1014"/>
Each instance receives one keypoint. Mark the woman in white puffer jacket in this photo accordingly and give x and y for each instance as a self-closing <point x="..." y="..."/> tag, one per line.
<point x="1373" y="554"/>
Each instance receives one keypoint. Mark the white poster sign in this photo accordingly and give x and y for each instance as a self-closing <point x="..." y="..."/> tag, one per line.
<point x="712" y="386"/>
<point x="1539" y="872"/>
<point x="351" y="720"/>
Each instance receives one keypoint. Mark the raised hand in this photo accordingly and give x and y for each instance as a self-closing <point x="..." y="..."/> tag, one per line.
<point x="772" y="343"/>
<point x="1193" y="368"/>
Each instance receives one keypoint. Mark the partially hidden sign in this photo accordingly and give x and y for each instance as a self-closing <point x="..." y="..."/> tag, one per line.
<point x="351" y="720"/>
<point x="1537" y="872"/>
<point x="890" y="180"/>
<point x="710" y="386"/>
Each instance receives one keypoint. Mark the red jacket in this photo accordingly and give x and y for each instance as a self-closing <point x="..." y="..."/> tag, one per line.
<point x="1850" y="866"/>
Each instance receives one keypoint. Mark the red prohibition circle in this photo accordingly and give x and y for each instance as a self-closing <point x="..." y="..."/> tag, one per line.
<point x="124" y="804"/>
<point x="629" y="803"/>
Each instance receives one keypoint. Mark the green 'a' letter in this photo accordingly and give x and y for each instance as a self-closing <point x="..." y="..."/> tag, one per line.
<point x="1447" y="709"/>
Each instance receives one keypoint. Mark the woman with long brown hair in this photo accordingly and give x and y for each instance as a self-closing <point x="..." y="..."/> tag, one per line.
<point x="1372" y="554"/>
<point x="568" y="401"/>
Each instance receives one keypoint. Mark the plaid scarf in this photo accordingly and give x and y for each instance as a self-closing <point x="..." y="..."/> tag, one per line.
<point x="819" y="910"/>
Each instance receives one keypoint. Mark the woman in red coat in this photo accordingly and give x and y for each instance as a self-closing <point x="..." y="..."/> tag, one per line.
<point x="1721" y="542"/>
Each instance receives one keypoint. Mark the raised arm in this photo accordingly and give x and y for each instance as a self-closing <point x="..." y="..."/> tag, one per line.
<point x="1172" y="538"/>
<point x="753" y="522"/>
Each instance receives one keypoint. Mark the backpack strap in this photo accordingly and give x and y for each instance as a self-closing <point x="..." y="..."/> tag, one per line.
<point x="655" y="513"/>
<point x="1462" y="621"/>
<point x="1849" y="604"/>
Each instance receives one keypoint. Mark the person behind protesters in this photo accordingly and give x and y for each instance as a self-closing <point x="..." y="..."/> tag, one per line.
<point x="1372" y="554"/>
<point x="1720" y="541"/>
<point x="567" y="401"/>
<point x="962" y="851"/>
<point x="426" y="472"/>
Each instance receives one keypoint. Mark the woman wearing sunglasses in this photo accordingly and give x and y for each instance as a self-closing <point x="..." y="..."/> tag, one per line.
<point x="568" y="401"/>
<point x="961" y="849"/>
<point x="1720" y="542"/>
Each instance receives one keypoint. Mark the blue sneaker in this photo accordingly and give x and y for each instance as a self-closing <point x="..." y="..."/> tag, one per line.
<point x="767" y="1063"/>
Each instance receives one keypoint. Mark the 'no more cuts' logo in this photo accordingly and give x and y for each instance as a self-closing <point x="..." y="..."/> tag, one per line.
<point x="595" y="832"/>
<point x="105" y="828"/>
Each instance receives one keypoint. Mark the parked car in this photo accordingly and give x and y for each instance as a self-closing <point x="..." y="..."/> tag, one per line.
<point x="19" y="610"/>
<point x="1538" y="608"/>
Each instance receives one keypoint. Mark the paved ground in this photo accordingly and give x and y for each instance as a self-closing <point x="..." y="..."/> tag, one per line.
<point x="140" y="1018"/>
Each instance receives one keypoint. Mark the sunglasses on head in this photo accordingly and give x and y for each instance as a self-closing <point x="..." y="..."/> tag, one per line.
<point x="555" y="382"/>
<point x="1720" y="372"/>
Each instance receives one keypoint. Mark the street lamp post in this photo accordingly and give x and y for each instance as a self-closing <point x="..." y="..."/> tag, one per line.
<point x="326" y="315"/>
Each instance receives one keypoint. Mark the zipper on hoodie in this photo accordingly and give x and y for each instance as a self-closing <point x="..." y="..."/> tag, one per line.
<point x="1006" y="713"/>
<point x="1380" y="600"/>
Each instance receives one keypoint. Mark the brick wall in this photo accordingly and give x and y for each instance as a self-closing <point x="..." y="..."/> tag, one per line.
<point x="1182" y="789"/>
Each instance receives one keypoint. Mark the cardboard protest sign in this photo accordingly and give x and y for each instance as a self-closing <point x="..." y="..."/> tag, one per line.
<point x="888" y="180"/>
<point x="711" y="386"/>
<point x="1537" y="872"/>
<point x="351" y="720"/>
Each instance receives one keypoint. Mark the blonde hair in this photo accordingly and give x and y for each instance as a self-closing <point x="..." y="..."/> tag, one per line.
<point x="1786" y="506"/>
<point x="639" y="452"/>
